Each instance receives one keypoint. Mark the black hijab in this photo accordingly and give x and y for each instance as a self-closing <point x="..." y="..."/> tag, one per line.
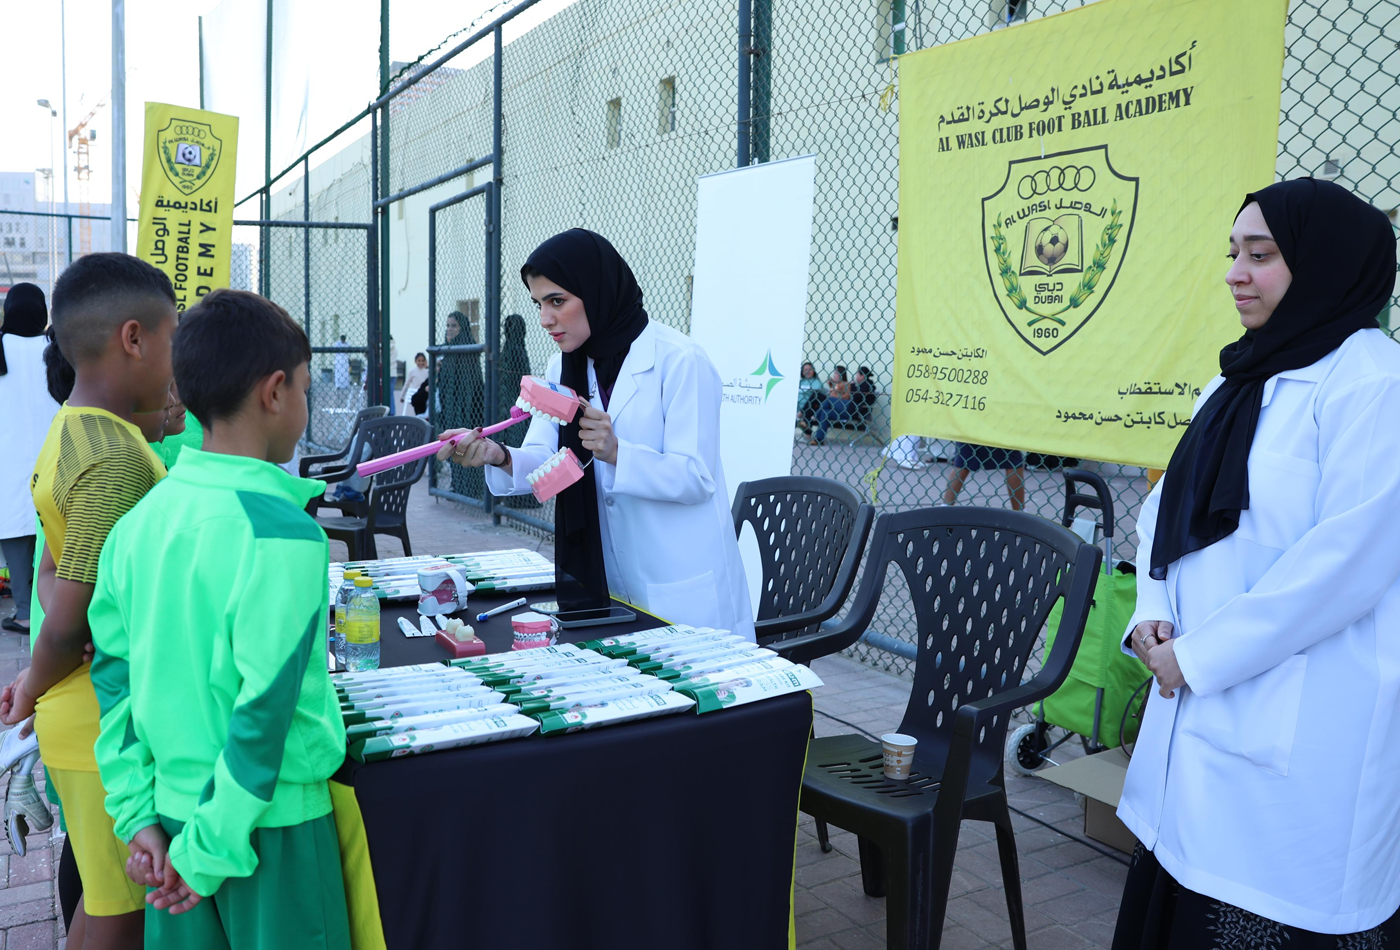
<point x="587" y="266"/>
<point x="26" y="315"/>
<point x="1341" y="251"/>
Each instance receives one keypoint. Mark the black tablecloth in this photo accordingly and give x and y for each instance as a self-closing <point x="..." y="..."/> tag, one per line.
<point x="672" y="833"/>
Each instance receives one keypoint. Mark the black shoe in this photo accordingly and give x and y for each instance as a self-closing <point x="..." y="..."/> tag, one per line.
<point x="13" y="625"/>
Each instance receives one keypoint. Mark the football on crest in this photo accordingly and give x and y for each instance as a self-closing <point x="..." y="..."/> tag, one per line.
<point x="1051" y="245"/>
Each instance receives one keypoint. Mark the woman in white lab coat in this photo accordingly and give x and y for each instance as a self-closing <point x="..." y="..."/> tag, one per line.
<point x="1265" y="783"/>
<point x="26" y="409"/>
<point x="649" y="523"/>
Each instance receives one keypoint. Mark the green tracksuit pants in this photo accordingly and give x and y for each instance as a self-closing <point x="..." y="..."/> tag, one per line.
<point x="294" y="900"/>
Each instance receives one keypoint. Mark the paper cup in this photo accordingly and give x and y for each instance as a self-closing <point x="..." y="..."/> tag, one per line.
<point x="899" y="755"/>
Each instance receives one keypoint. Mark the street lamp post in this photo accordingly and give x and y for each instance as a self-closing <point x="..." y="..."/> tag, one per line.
<point x="53" y="114"/>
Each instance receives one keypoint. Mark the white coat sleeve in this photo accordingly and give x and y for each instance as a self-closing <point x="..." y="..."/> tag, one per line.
<point x="1334" y="574"/>
<point x="1152" y="600"/>
<point x="682" y="470"/>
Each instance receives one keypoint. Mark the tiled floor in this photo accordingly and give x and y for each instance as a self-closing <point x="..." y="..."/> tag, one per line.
<point x="1070" y="889"/>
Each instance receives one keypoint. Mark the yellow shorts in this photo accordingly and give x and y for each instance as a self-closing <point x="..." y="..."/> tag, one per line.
<point x="100" y="854"/>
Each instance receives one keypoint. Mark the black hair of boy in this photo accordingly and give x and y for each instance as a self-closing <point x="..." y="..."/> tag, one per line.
<point x="98" y="293"/>
<point x="225" y="344"/>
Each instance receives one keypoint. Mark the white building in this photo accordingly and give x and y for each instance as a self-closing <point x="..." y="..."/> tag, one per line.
<point x="35" y="248"/>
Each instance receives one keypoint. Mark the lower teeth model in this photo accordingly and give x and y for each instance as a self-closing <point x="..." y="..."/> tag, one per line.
<point x="558" y="472"/>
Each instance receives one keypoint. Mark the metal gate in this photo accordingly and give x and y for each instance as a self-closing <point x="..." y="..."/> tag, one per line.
<point x="325" y="274"/>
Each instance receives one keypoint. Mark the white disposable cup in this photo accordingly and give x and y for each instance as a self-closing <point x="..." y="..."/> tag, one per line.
<point x="899" y="755"/>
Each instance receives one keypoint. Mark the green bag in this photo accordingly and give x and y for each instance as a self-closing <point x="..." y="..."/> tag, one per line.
<point x="1099" y="664"/>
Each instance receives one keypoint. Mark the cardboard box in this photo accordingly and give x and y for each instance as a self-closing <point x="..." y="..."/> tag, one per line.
<point x="1099" y="778"/>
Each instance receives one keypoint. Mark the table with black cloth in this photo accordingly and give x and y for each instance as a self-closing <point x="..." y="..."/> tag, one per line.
<point x="676" y="832"/>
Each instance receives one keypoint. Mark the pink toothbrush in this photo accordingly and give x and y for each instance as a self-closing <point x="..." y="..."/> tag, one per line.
<point x="375" y="466"/>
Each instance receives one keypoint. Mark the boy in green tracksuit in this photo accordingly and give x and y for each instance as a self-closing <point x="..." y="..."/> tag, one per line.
<point x="220" y="726"/>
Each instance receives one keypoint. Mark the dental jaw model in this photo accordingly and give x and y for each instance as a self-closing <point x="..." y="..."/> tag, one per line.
<point x="444" y="590"/>
<point x="532" y="630"/>
<point x="548" y="401"/>
<point x="558" y="472"/>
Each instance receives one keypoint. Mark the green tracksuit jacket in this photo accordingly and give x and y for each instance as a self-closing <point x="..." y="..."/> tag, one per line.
<point x="209" y="619"/>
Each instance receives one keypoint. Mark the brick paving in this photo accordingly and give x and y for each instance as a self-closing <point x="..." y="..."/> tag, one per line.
<point x="1070" y="890"/>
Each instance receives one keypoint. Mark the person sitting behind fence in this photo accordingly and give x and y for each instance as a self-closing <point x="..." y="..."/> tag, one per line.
<point x="862" y="396"/>
<point x="836" y="407"/>
<point x="810" y="393"/>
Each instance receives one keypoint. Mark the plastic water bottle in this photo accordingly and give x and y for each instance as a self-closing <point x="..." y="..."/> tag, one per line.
<point x="342" y="597"/>
<point x="362" y="627"/>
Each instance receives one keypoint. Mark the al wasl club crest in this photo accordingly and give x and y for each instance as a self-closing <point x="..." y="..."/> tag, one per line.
<point x="189" y="152"/>
<point x="1055" y="234"/>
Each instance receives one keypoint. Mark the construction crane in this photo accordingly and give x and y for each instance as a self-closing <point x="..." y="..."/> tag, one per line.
<point x="80" y="145"/>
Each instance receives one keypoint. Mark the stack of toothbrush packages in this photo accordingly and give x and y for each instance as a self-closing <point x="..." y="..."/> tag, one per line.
<point x="714" y="668"/>
<point x="515" y="569"/>
<point x="409" y="710"/>
<point x="567" y="688"/>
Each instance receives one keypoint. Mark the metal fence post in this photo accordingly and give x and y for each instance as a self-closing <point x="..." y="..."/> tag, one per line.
<point x="745" y="106"/>
<point x="493" y="271"/>
<point x="264" y="252"/>
<point x="760" y="94"/>
<point x="385" y="277"/>
<point x="432" y="337"/>
<point x="306" y="262"/>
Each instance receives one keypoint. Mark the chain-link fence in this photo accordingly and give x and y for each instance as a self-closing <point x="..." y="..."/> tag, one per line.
<point x="35" y="246"/>
<point x="609" y="110"/>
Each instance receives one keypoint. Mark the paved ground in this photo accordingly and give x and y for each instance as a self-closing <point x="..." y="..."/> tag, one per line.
<point x="1070" y="889"/>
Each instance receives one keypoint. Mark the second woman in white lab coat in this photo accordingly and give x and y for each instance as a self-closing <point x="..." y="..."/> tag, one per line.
<point x="1265" y="783"/>
<point x="649" y="523"/>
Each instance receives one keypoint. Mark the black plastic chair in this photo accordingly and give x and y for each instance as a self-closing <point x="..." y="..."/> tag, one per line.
<point x="811" y="534"/>
<point x="982" y="582"/>
<point x="388" y="491"/>
<point x="323" y="466"/>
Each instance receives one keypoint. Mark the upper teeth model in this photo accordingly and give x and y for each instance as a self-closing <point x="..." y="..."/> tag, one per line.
<point x="549" y="401"/>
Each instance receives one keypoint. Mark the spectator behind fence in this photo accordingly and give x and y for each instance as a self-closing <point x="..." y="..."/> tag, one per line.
<point x="971" y="458"/>
<point x="810" y="393"/>
<point x="836" y="407"/>
<point x="862" y="396"/>
<point x="1262" y="784"/>
<point x="514" y="363"/>
<point x="413" y="399"/>
<point x="460" y="397"/>
<point x="28" y="412"/>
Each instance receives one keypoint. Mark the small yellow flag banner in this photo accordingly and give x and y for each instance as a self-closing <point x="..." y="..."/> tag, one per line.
<point x="1066" y="192"/>
<point x="186" y="222"/>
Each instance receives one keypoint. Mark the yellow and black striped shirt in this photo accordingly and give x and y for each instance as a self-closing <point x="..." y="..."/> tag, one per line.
<point x="93" y="468"/>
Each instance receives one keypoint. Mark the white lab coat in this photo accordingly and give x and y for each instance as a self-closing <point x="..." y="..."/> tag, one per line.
<point x="26" y="412"/>
<point x="1272" y="781"/>
<point x="668" y="535"/>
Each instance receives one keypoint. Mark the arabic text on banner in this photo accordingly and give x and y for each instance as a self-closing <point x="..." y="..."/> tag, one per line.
<point x="1067" y="187"/>
<point x="186" y="222"/>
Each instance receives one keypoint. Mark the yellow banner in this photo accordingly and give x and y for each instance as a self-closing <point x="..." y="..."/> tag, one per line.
<point x="186" y="222"/>
<point x="1067" y="187"/>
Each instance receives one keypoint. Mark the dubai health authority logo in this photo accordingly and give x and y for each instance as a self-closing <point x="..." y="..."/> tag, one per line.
<point x="1056" y="233"/>
<point x="770" y="372"/>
